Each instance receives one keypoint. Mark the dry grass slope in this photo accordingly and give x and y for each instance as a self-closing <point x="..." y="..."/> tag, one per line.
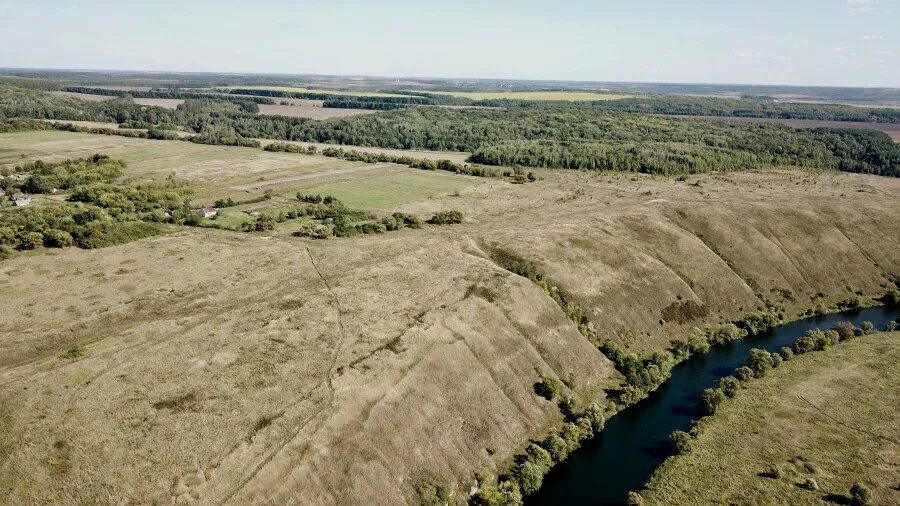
<point x="236" y="368"/>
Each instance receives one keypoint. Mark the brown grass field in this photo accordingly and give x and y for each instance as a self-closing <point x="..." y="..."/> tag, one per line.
<point x="314" y="112"/>
<point x="226" y="367"/>
<point x="82" y="96"/>
<point x="166" y="103"/>
<point x="830" y="416"/>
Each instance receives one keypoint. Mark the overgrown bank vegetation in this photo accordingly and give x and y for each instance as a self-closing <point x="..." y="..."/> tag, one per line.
<point x="642" y="376"/>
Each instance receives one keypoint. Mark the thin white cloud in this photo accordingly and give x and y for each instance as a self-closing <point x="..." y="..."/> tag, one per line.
<point x="873" y="37"/>
<point x="750" y="54"/>
<point x="861" y="6"/>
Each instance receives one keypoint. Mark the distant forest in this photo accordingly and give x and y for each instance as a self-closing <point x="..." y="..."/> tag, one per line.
<point x="571" y="137"/>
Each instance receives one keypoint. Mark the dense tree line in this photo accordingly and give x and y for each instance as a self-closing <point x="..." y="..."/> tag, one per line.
<point x="357" y="104"/>
<point x="167" y="94"/>
<point x="559" y="138"/>
<point x="655" y="158"/>
<point x="415" y="163"/>
<point x="713" y="106"/>
<point x="337" y="98"/>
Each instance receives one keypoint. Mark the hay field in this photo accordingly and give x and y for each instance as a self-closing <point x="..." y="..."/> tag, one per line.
<point x="830" y="416"/>
<point x="82" y="96"/>
<point x="166" y="103"/>
<point x="572" y="96"/>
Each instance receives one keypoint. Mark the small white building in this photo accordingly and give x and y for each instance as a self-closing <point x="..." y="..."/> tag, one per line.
<point x="21" y="200"/>
<point x="207" y="212"/>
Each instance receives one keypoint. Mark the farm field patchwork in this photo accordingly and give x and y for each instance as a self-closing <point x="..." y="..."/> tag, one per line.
<point x="224" y="171"/>
<point x="573" y="96"/>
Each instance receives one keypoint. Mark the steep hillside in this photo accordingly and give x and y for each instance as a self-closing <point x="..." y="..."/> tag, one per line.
<point x="224" y="367"/>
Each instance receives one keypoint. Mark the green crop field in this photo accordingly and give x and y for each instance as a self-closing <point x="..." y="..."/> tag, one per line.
<point x="392" y="189"/>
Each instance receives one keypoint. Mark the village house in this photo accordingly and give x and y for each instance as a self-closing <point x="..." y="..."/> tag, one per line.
<point x="207" y="212"/>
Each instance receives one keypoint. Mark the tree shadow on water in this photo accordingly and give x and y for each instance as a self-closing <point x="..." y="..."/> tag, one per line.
<point x="659" y="450"/>
<point x="689" y="411"/>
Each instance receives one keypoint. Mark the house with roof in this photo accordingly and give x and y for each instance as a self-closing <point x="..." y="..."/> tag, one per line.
<point x="206" y="212"/>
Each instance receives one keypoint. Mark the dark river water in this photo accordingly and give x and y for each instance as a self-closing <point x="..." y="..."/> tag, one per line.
<point x="636" y="441"/>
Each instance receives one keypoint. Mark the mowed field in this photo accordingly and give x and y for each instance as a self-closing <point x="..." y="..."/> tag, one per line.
<point x="830" y="416"/>
<point x="215" y="172"/>
<point x="573" y="96"/>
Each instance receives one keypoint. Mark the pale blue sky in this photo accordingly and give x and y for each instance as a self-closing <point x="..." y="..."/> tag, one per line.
<point x="804" y="42"/>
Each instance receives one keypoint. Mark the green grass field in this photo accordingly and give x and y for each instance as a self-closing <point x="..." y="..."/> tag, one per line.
<point x="392" y="189"/>
<point x="829" y="416"/>
<point x="572" y="96"/>
<point x="216" y="172"/>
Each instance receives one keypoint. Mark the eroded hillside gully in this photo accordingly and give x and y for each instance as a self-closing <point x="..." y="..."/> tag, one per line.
<point x="599" y="463"/>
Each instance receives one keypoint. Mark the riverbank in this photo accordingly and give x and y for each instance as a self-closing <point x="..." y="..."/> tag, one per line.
<point x="804" y="433"/>
<point x="636" y="441"/>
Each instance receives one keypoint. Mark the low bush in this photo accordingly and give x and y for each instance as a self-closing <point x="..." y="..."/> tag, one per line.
<point x="845" y="330"/>
<point x="861" y="494"/>
<point x="547" y="387"/>
<point x="682" y="441"/>
<point x="786" y="353"/>
<point x="760" y="361"/>
<point x="743" y="374"/>
<point x="446" y="218"/>
<point x="729" y="385"/>
<point x="711" y="399"/>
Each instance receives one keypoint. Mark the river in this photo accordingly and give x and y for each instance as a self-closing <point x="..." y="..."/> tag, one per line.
<point x="636" y="441"/>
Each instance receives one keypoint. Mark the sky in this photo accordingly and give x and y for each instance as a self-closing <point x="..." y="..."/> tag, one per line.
<point x="796" y="42"/>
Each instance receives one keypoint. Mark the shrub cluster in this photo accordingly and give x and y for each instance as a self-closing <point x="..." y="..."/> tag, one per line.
<point x="539" y="457"/>
<point x="44" y="177"/>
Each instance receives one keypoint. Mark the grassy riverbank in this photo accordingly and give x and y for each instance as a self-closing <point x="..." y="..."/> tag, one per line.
<point x="827" y="417"/>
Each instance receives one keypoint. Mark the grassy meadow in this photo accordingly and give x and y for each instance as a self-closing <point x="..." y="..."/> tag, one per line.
<point x="215" y="172"/>
<point x="828" y="416"/>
